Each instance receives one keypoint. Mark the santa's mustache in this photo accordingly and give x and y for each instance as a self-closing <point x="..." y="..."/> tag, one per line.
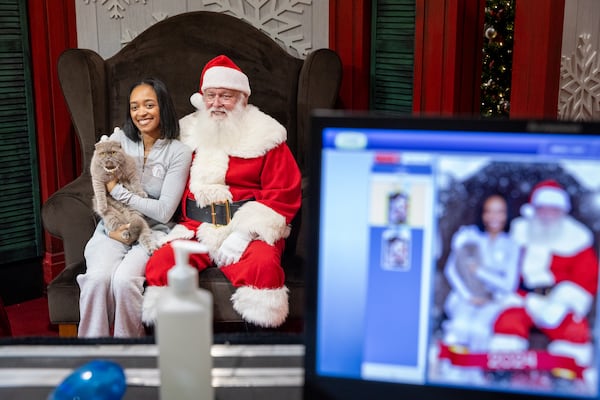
<point x="219" y="109"/>
<point x="542" y="231"/>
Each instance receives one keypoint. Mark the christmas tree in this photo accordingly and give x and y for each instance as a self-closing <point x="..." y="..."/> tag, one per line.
<point x="497" y="58"/>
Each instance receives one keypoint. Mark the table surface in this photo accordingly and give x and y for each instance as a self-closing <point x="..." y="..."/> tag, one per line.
<point x="240" y="372"/>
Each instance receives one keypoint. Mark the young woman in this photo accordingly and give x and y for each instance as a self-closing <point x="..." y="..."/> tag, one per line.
<point x="112" y="287"/>
<point x="482" y="271"/>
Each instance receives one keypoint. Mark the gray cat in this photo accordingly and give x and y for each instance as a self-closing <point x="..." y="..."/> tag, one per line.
<point x="468" y="260"/>
<point x="109" y="162"/>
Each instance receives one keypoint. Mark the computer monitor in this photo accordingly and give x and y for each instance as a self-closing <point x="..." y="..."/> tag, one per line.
<point x="418" y="287"/>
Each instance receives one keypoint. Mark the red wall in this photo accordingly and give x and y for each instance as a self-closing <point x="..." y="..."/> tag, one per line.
<point x="447" y="70"/>
<point x="350" y="37"/>
<point x="536" y="59"/>
<point x="52" y="28"/>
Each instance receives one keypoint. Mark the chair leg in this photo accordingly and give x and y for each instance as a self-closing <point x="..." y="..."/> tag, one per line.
<point x="5" y="329"/>
<point x="67" y="330"/>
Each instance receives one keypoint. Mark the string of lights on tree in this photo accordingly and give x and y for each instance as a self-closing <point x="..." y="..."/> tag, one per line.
<point x="497" y="58"/>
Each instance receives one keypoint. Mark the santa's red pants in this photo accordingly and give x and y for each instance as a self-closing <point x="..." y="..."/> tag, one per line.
<point x="259" y="266"/>
<point x="516" y="321"/>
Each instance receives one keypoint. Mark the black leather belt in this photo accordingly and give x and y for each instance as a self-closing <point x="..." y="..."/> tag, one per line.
<point x="215" y="213"/>
<point x="543" y="290"/>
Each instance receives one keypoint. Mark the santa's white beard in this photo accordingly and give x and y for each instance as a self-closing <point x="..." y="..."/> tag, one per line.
<point x="221" y="131"/>
<point x="544" y="231"/>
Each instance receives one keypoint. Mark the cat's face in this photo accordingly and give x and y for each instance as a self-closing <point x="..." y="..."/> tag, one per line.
<point x="109" y="155"/>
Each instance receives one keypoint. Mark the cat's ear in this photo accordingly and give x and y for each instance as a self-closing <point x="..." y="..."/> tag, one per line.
<point x="103" y="139"/>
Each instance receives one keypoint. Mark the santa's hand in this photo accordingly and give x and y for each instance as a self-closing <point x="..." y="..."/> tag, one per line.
<point x="178" y="232"/>
<point x="232" y="248"/>
<point x="545" y="312"/>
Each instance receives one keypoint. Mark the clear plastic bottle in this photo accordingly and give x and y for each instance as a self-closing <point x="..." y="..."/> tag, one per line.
<point x="184" y="331"/>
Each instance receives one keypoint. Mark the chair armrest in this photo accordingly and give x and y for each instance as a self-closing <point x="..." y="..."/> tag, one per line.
<point x="68" y="215"/>
<point x="320" y="80"/>
<point x="83" y="80"/>
<point x="318" y="87"/>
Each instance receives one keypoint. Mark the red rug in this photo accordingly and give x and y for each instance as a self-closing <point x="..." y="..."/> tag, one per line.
<point x="31" y="318"/>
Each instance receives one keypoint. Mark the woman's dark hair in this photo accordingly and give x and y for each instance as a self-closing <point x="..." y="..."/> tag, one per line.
<point x="169" y="124"/>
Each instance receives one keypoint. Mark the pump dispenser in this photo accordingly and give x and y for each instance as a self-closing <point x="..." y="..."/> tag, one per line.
<point x="184" y="331"/>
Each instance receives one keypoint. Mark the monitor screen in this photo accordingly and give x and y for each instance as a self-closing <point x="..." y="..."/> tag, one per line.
<point x="452" y="259"/>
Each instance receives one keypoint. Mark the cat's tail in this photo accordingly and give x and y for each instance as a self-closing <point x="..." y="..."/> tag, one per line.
<point x="140" y="231"/>
<point x="136" y="226"/>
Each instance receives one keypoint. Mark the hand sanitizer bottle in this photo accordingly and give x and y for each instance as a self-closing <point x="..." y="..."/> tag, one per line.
<point x="184" y="331"/>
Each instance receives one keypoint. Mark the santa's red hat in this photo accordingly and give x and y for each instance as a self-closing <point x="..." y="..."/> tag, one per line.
<point x="221" y="72"/>
<point x="547" y="193"/>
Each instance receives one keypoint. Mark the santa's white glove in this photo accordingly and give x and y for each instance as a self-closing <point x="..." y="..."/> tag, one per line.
<point x="232" y="248"/>
<point x="178" y="232"/>
<point x="545" y="312"/>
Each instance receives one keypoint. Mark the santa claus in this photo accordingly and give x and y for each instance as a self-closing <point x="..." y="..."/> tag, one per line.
<point x="559" y="275"/>
<point x="243" y="191"/>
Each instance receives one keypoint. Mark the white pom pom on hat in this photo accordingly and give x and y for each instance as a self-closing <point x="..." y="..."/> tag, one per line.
<point x="547" y="193"/>
<point x="222" y="72"/>
<point x="196" y="100"/>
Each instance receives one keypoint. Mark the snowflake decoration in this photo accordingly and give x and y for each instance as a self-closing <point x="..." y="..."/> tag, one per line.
<point x="114" y="7"/>
<point x="128" y="35"/>
<point x="579" y="97"/>
<point x="274" y="17"/>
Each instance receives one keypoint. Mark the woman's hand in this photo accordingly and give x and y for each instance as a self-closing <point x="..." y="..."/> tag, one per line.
<point x="121" y="234"/>
<point x="111" y="184"/>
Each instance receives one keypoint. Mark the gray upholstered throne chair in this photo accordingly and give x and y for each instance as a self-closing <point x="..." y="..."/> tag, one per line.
<point x="175" y="50"/>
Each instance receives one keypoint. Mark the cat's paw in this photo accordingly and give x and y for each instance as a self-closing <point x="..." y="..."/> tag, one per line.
<point x="150" y="245"/>
<point x="148" y="242"/>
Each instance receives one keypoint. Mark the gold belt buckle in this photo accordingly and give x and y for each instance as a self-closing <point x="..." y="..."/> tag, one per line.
<point x="213" y="214"/>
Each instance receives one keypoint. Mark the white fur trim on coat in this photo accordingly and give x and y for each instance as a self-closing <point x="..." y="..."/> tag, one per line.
<point x="150" y="304"/>
<point x="260" y="221"/>
<point x="178" y="232"/>
<point x="207" y="177"/>
<point x="574" y="238"/>
<point x="263" y="307"/>
<point x="580" y="352"/>
<point x="500" y="343"/>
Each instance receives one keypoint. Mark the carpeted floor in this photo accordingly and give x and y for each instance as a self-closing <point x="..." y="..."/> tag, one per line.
<point x="30" y="323"/>
<point x="30" y="318"/>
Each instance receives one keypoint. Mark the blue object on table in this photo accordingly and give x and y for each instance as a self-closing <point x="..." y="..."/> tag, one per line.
<point x="97" y="380"/>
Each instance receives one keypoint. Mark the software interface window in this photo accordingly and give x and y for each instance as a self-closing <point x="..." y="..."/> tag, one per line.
<point x="395" y="207"/>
